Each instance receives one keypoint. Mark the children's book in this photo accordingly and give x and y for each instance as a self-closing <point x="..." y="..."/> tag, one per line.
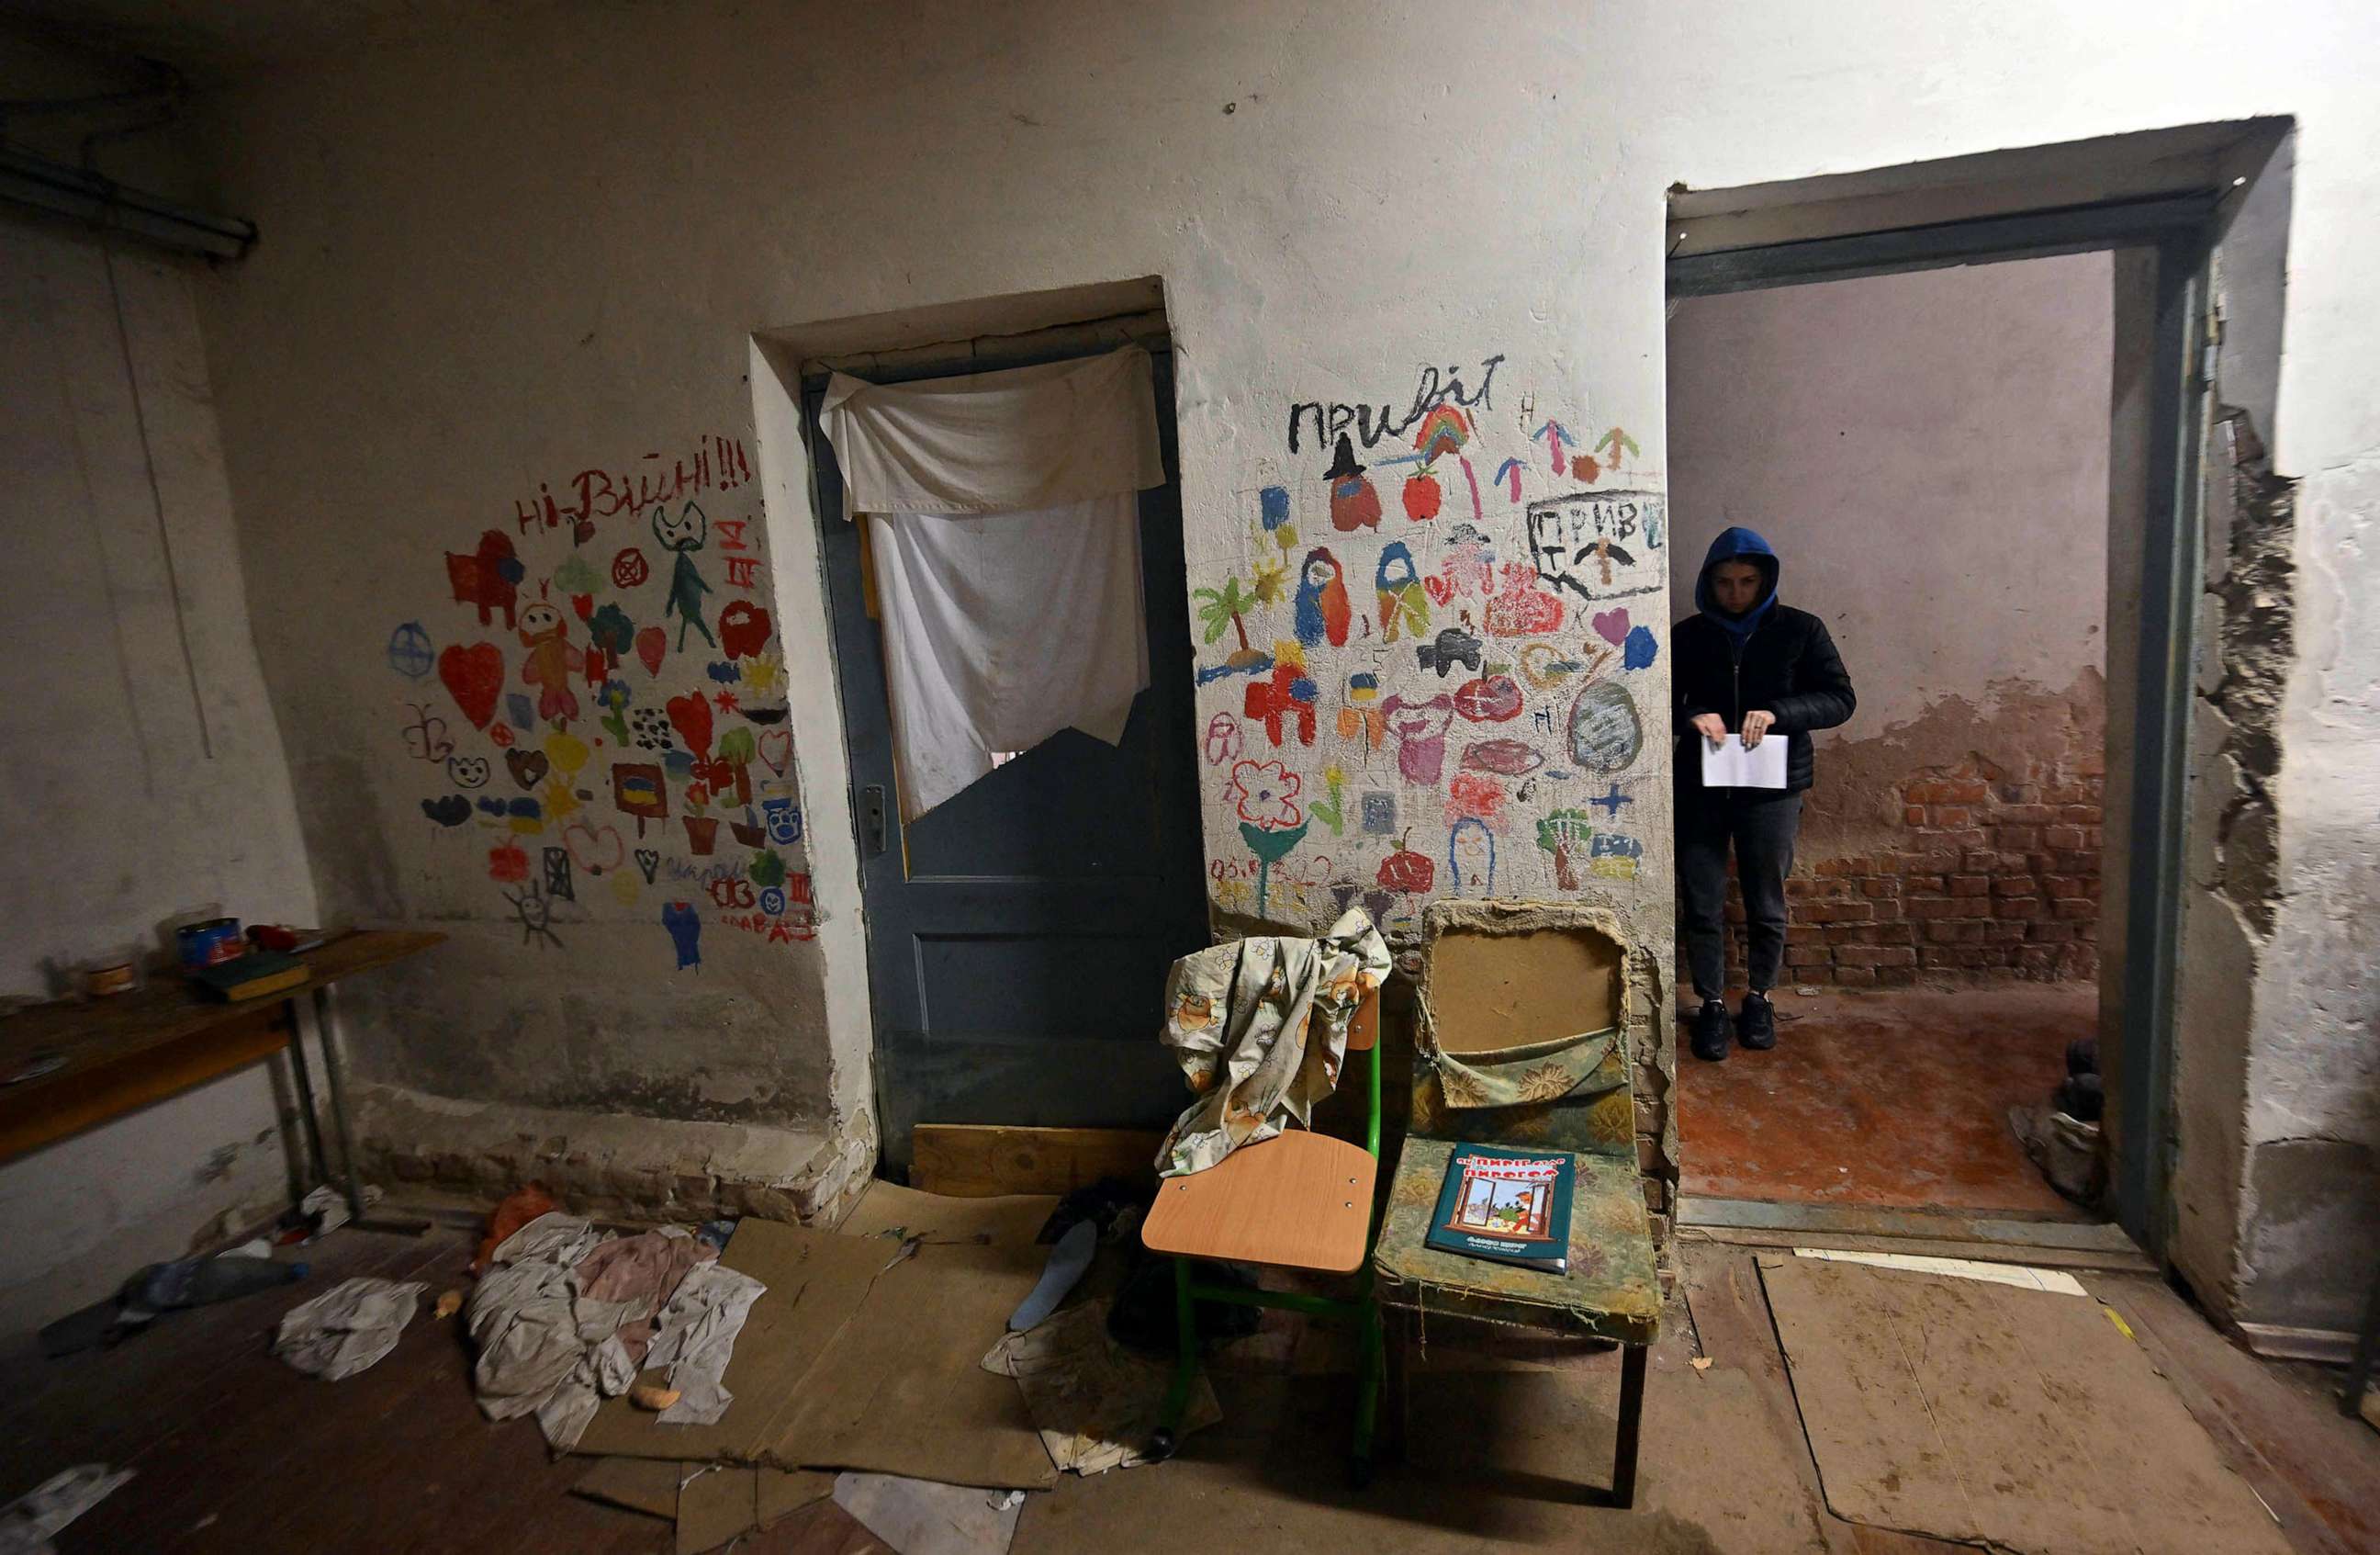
<point x="1506" y="1204"/>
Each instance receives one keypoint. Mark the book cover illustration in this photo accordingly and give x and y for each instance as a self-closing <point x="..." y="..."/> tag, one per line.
<point x="1506" y="1204"/>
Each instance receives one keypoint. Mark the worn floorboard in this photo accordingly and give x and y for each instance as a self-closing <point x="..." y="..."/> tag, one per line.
<point x="1507" y="1435"/>
<point x="2276" y="1422"/>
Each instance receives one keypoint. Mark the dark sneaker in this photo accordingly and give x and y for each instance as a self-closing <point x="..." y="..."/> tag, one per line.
<point x="1709" y="1041"/>
<point x="1756" y="1026"/>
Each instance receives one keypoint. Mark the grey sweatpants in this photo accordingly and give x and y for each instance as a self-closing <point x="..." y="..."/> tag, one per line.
<point x="1761" y="825"/>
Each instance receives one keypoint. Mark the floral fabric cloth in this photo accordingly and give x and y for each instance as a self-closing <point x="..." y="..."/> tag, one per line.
<point x="1259" y="1027"/>
<point x="1532" y="1072"/>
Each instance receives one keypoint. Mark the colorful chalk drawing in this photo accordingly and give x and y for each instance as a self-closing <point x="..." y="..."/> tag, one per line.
<point x="409" y="651"/>
<point x="566" y="626"/>
<point x="1492" y="687"/>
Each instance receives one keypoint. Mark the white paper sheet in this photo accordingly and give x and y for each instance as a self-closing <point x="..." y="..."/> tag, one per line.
<point x="2023" y="1276"/>
<point x="1731" y="766"/>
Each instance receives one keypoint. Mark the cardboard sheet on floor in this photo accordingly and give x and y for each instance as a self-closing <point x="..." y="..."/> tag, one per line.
<point x="902" y="1389"/>
<point x="728" y="1501"/>
<point x="648" y="1484"/>
<point x="815" y="1282"/>
<point x="1008" y="1222"/>
<point x="848" y="1363"/>
<point x="1976" y="1412"/>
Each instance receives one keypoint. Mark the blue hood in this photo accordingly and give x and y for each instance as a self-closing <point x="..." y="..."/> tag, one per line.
<point x="1736" y="544"/>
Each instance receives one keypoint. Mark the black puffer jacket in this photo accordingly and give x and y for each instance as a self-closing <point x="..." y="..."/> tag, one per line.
<point x="1788" y="665"/>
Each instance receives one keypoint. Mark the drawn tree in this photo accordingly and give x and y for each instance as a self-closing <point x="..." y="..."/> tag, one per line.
<point x="1559" y="832"/>
<point x="1224" y="607"/>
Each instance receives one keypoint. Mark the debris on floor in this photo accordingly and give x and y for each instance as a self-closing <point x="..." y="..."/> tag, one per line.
<point x="160" y="1288"/>
<point x="920" y="1517"/>
<point x="2067" y="1150"/>
<point x="2063" y="1139"/>
<point x="320" y="1212"/>
<point x="28" y="1523"/>
<point x="859" y="1375"/>
<point x="1069" y="1261"/>
<point x="347" y="1327"/>
<point x="515" y="1211"/>
<point x="567" y="1316"/>
<point x="1096" y="1403"/>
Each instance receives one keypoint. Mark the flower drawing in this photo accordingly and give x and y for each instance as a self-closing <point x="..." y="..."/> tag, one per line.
<point x="1266" y="794"/>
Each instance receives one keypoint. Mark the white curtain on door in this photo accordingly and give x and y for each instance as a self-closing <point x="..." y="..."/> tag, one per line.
<point x="1007" y="538"/>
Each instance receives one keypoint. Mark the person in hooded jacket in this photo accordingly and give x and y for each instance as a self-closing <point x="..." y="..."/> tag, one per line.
<point x="1744" y="667"/>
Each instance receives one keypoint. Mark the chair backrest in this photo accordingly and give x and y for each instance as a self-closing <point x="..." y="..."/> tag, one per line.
<point x="1363" y="1025"/>
<point x="1504" y="975"/>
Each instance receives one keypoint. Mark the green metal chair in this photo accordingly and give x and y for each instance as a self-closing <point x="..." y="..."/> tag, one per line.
<point x="1612" y="1291"/>
<point x="1299" y="1200"/>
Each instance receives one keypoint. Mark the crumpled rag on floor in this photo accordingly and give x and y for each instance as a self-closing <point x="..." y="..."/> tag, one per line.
<point x="347" y="1327"/>
<point x="567" y="1316"/>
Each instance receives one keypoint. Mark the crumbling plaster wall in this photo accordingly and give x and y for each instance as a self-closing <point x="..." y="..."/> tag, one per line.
<point x="546" y="241"/>
<point x="2289" y="870"/>
<point x="144" y="770"/>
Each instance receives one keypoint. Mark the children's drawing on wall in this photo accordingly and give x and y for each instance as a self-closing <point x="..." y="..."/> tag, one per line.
<point x="1489" y="690"/>
<point x="560" y="673"/>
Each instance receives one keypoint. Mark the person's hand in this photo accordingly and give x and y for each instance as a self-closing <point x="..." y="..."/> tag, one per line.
<point x="1757" y="723"/>
<point x="1708" y="726"/>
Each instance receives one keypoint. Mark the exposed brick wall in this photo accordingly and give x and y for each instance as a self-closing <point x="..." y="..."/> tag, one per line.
<point x="1989" y="874"/>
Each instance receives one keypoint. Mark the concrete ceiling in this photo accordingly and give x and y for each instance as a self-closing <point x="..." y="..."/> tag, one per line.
<point x="219" y="38"/>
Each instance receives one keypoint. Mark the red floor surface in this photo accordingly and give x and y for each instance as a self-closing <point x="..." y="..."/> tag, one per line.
<point x="1895" y="1099"/>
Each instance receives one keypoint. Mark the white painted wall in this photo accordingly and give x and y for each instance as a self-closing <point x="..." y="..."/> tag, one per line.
<point x="1928" y="454"/>
<point x="145" y="769"/>
<point x="556" y="232"/>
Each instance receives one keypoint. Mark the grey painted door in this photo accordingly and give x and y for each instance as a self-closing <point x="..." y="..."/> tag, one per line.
<point x="1019" y="933"/>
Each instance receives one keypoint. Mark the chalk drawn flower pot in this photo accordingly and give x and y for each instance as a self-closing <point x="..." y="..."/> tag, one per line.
<point x="701" y="833"/>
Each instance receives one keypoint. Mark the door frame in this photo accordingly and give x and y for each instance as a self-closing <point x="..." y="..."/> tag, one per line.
<point x="1053" y="343"/>
<point x="2183" y="230"/>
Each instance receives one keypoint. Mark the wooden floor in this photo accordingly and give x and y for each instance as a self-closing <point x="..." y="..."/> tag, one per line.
<point x="236" y="1452"/>
<point x="1897" y="1099"/>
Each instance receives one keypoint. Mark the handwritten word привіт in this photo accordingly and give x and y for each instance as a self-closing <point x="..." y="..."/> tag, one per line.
<point x="717" y="464"/>
<point x="1432" y="390"/>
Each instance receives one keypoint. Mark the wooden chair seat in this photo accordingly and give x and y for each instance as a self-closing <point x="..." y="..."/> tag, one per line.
<point x="1611" y="1290"/>
<point x="1298" y="1200"/>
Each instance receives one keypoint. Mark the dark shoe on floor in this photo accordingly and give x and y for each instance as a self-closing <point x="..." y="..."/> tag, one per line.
<point x="1709" y="1041"/>
<point x="1756" y="1026"/>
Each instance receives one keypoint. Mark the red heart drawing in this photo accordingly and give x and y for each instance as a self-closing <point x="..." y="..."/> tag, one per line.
<point x="777" y="750"/>
<point x="591" y="850"/>
<point x="651" y="643"/>
<point x="582" y="605"/>
<point x="690" y="716"/>
<point x="1611" y="626"/>
<point x="475" y="675"/>
<point x="1440" y="589"/>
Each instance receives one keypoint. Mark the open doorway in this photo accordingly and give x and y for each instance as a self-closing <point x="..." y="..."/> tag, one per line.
<point x="1928" y="452"/>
